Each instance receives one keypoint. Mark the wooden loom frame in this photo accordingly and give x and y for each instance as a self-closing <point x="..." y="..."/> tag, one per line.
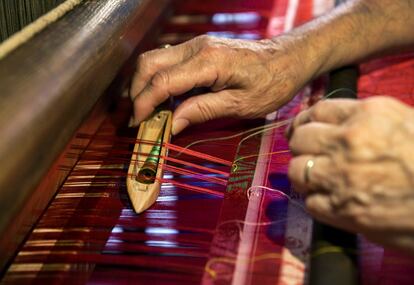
<point x="58" y="74"/>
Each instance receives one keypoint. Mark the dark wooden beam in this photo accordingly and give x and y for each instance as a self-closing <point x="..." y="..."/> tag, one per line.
<point x="334" y="251"/>
<point x="49" y="85"/>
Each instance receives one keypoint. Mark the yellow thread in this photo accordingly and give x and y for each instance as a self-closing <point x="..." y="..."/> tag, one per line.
<point x="234" y="167"/>
<point x="257" y="155"/>
<point x="61" y="230"/>
<point x="247" y="223"/>
<point x="213" y="273"/>
<point x="48" y="252"/>
<point x="258" y="130"/>
<point x="267" y="128"/>
<point x="261" y="129"/>
<point x="332" y="249"/>
<point x="338" y="90"/>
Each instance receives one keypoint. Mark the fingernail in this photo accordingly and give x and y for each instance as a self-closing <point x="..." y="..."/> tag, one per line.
<point x="178" y="125"/>
<point x="132" y="122"/>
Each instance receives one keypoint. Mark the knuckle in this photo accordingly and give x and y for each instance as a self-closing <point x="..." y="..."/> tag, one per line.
<point x="293" y="142"/>
<point x="357" y="146"/>
<point x="349" y="177"/>
<point x="352" y="214"/>
<point x="351" y="205"/>
<point x="160" y="79"/>
<point x="206" y="111"/>
<point x="201" y="43"/>
<point x="315" y="206"/>
<point x="242" y="111"/>
<point x="350" y="136"/>
<point x="209" y="51"/>
<point x="203" y="39"/>
<point x="147" y="63"/>
<point x="243" y="108"/>
<point x="356" y="215"/>
<point x="203" y="110"/>
<point x="213" y="48"/>
<point x="294" y="164"/>
<point x="141" y="58"/>
<point x="142" y="62"/>
<point x="317" y="110"/>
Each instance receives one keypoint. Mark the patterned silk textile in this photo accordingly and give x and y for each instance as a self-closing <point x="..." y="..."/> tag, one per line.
<point x="256" y="231"/>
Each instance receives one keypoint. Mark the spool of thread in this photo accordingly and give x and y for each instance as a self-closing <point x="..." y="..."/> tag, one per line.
<point x="148" y="171"/>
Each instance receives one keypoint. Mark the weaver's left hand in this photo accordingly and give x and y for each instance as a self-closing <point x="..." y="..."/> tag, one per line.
<point x="354" y="161"/>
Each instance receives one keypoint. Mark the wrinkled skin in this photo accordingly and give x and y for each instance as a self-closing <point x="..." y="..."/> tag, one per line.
<point x="363" y="174"/>
<point x="362" y="177"/>
<point x="248" y="79"/>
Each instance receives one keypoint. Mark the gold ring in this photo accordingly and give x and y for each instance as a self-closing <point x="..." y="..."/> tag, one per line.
<point x="309" y="164"/>
<point x="166" y="46"/>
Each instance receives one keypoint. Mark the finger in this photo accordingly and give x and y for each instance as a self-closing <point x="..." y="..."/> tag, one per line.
<point x="153" y="61"/>
<point x="202" y="108"/>
<point x="176" y="80"/>
<point x="314" y="138"/>
<point x="319" y="205"/>
<point x="313" y="178"/>
<point x="333" y="111"/>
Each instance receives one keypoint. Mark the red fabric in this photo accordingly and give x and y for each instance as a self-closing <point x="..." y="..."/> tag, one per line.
<point x="390" y="76"/>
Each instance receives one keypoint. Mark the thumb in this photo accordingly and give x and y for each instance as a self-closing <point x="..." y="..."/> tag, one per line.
<point x="202" y="108"/>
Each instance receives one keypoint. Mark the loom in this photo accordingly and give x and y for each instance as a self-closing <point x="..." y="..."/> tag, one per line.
<point x="67" y="157"/>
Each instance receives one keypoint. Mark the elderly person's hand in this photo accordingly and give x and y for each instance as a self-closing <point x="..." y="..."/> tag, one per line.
<point x="354" y="161"/>
<point x="247" y="79"/>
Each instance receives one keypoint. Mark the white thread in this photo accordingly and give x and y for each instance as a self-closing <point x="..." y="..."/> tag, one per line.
<point x="250" y="190"/>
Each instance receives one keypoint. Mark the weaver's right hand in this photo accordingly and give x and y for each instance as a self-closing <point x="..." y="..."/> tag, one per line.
<point x="247" y="79"/>
<point x="252" y="78"/>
